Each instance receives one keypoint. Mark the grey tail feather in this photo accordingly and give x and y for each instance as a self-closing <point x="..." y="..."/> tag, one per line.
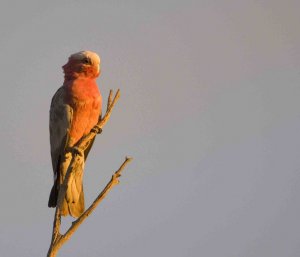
<point x="76" y="209"/>
<point x="67" y="208"/>
<point x="73" y="209"/>
<point x="53" y="196"/>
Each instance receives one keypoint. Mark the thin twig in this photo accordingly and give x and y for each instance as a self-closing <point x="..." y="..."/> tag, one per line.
<point x="75" y="224"/>
<point x="109" y="99"/>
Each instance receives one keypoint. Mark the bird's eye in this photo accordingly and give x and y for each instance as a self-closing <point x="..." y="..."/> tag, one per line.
<point x="86" y="61"/>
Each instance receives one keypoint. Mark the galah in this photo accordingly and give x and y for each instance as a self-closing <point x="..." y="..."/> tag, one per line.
<point x="75" y="110"/>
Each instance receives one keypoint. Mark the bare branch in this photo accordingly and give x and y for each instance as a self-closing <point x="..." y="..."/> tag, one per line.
<point x="109" y="99"/>
<point x="114" y="181"/>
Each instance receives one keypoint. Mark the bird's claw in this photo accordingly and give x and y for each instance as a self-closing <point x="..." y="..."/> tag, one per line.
<point x="78" y="151"/>
<point x="96" y="130"/>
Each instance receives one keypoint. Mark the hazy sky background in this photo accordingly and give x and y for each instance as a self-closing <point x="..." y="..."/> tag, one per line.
<point x="209" y="111"/>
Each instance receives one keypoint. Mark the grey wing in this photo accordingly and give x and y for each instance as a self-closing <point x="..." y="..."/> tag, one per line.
<point x="59" y="124"/>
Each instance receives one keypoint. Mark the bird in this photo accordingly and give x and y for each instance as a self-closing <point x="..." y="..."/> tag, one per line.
<point x="75" y="109"/>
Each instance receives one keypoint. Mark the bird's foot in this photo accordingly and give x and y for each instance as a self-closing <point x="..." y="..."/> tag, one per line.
<point x="78" y="151"/>
<point x="96" y="130"/>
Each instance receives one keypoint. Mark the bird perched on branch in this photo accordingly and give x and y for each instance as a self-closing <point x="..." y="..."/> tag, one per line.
<point x="75" y="110"/>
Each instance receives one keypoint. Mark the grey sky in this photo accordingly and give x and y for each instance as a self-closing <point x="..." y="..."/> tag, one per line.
<point x="209" y="110"/>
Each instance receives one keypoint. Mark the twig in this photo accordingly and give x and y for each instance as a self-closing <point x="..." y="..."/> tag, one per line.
<point x="109" y="99"/>
<point x="75" y="224"/>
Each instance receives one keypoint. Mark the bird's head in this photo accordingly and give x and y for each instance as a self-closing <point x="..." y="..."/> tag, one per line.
<point x="84" y="63"/>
